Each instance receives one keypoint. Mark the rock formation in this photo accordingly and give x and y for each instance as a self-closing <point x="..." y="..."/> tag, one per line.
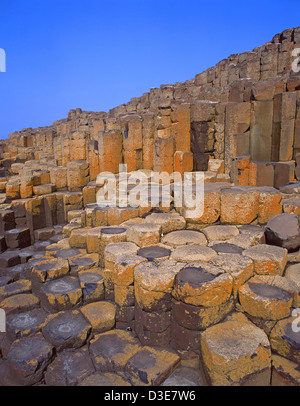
<point x="144" y="295"/>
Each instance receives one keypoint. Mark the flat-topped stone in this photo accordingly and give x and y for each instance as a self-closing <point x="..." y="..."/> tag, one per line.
<point x="151" y="366"/>
<point x="66" y="329"/>
<point x="220" y="232"/>
<point x="283" y="230"/>
<point x="239" y="205"/>
<point x="113" y="230"/>
<point x="168" y="221"/>
<point x="202" y="284"/>
<point x="184" y="237"/>
<point x="155" y="252"/>
<point x="49" y="269"/>
<point x="264" y="297"/>
<point x="227" y="248"/>
<point x="92" y="285"/>
<point x="100" y="315"/>
<point x="109" y="235"/>
<point x="69" y="368"/>
<point x="83" y="262"/>
<point x="268" y="259"/>
<point x="15" y="288"/>
<point x="111" y="350"/>
<point x="193" y="253"/>
<point x="144" y="234"/>
<point x="125" y="264"/>
<point x="285" y="338"/>
<point x="240" y="267"/>
<point x="25" y="323"/>
<point x="29" y="357"/>
<point x="61" y="294"/>
<point x="248" y="237"/>
<point x="113" y="250"/>
<point x="68" y="253"/>
<point x="235" y="353"/>
<point x="153" y="284"/>
<point x="19" y="303"/>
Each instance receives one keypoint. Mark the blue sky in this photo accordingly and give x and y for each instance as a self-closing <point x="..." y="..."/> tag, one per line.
<point x="98" y="54"/>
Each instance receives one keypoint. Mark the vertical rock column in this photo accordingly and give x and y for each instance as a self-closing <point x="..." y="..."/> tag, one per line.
<point x="153" y="283"/>
<point x="201" y="297"/>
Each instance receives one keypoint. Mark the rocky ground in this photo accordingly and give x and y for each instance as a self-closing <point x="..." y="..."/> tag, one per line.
<point x="156" y="299"/>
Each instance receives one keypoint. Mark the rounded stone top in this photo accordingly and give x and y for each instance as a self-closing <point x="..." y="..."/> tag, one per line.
<point x="197" y="274"/>
<point x="227" y="248"/>
<point x="154" y="252"/>
<point x="62" y="285"/>
<point x="184" y="237"/>
<point x="267" y="297"/>
<point x="157" y="276"/>
<point x="113" y="230"/>
<point x="293" y="273"/>
<point x="193" y="253"/>
<point x="202" y="284"/>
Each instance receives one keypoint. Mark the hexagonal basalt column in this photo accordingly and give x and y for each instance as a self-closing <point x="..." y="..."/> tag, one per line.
<point x="15" y="288"/>
<point x="266" y="297"/>
<point x="19" y="303"/>
<point x="153" y="328"/>
<point x="155" y="253"/>
<point x="199" y="317"/>
<point x="110" y="235"/>
<point x="125" y="264"/>
<point x="239" y="205"/>
<point x="202" y="284"/>
<point x="168" y="221"/>
<point x="67" y="329"/>
<point x="153" y="284"/>
<point x="193" y="253"/>
<point x="184" y="237"/>
<point x="61" y="294"/>
<point x="79" y="366"/>
<point x="111" y="350"/>
<point x="46" y="270"/>
<point x="227" y="248"/>
<point x="283" y="230"/>
<point x="145" y="234"/>
<point x="236" y="353"/>
<point x="220" y="232"/>
<point x="151" y="366"/>
<point x="28" y="358"/>
<point x="92" y="285"/>
<point x="268" y="259"/>
<point x="26" y="323"/>
<point x="100" y="315"/>
<point x="285" y="338"/>
<point x="113" y="250"/>
<point x="83" y="262"/>
<point x="240" y="267"/>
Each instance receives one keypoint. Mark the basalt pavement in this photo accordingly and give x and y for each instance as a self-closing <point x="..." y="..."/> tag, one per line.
<point x="156" y="299"/>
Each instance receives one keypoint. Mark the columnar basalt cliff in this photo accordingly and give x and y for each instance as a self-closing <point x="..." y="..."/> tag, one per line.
<point x="143" y="295"/>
